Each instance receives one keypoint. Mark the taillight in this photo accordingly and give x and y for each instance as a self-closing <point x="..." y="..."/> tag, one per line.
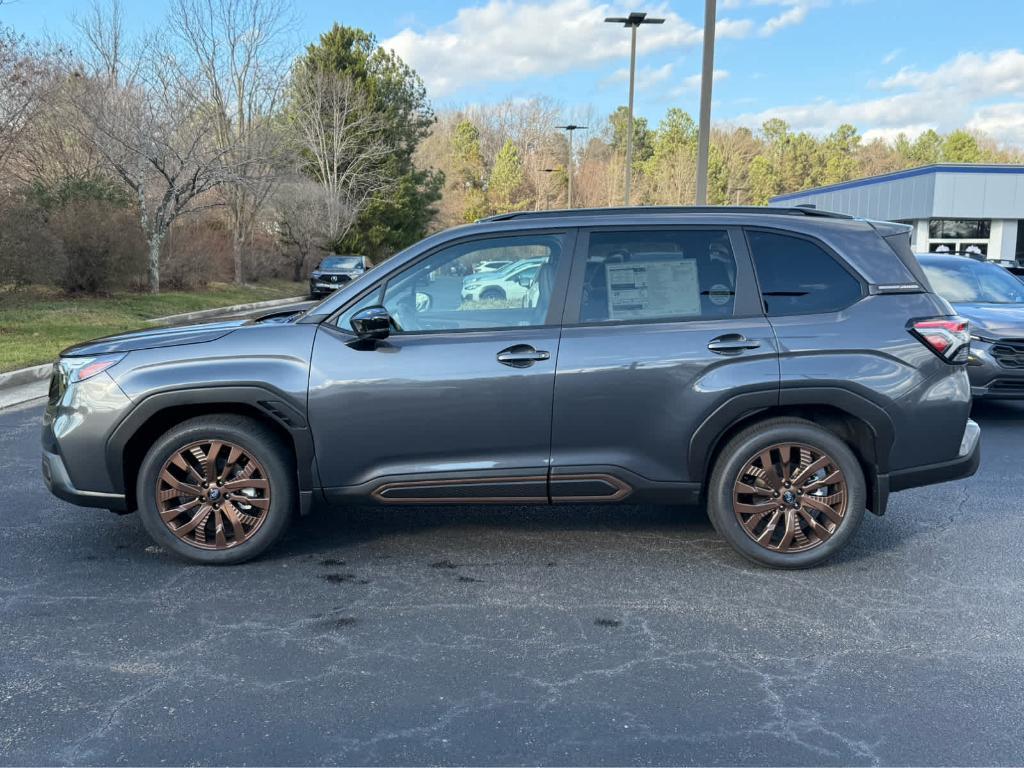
<point x="947" y="337"/>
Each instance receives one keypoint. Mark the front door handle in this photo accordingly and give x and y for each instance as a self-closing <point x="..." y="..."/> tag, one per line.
<point x="522" y="356"/>
<point x="732" y="344"/>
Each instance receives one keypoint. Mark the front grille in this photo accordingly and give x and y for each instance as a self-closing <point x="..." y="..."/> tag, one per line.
<point x="1007" y="386"/>
<point x="1009" y="353"/>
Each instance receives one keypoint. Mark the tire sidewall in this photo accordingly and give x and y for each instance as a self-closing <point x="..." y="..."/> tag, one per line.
<point x="259" y="443"/>
<point x="733" y="460"/>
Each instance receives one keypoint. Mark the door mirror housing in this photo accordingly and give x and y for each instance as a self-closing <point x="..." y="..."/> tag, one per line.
<point x="372" y="323"/>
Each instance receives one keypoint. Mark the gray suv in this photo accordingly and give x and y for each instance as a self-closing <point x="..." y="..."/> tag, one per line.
<point x="787" y="368"/>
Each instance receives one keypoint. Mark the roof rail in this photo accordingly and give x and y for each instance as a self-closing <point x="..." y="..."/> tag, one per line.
<point x="642" y="209"/>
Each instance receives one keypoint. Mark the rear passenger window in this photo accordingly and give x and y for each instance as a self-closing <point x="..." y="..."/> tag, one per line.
<point x="658" y="274"/>
<point x="798" y="277"/>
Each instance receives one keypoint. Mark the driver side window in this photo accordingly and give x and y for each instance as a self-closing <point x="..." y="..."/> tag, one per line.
<point x="495" y="282"/>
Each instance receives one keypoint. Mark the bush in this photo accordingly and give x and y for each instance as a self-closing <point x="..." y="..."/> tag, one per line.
<point x="103" y="245"/>
<point x="197" y="252"/>
<point x="30" y="252"/>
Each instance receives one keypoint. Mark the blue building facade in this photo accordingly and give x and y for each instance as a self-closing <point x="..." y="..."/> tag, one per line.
<point x="954" y="208"/>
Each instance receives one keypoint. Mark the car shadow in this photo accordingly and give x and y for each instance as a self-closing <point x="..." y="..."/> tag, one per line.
<point x="326" y="531"/>
<point x="328" y="527"/>
<point x="997" y="410"/>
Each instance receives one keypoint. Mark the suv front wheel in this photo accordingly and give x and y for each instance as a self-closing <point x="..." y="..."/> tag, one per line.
<point x="216" y="489"/>
<point x="786" y="493"/>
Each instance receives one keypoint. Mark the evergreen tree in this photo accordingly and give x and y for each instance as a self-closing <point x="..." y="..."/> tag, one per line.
<point x="507" y="179"/>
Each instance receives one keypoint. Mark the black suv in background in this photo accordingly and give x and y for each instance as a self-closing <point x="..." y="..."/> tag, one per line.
<point x="787" y="368"/>
<point x="335" y="271"/>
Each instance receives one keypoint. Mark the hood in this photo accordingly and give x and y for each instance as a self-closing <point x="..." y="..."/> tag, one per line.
<point x="154" y="337"/>
<point x="994" y="320"/>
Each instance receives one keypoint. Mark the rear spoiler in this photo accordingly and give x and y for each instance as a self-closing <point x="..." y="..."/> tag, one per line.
<point x="898" y="236"/>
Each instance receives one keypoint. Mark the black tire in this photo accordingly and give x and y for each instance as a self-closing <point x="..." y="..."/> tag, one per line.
<point x="256" y="440"/>
<point x="734" y="459"/>
<point x="492" y="294"/>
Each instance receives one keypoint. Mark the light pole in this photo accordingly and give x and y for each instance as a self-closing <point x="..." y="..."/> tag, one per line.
<point x="634" y="20"/>
<point x="706" y="77"/>
<point x="570" y="129"/>
<point x="547" y="170"/>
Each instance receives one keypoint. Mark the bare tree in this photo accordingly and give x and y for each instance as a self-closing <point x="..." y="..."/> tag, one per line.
<point x="300" y="207"/>
<point x="233" y="52"/>
<point x="24" y="80"/>
<point x="342" y="142"/>
<point x="140" y="115"/>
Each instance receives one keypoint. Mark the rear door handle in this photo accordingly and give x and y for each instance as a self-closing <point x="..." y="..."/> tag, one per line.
<point x="522" y="356"/>
<point x="732" y="344"/>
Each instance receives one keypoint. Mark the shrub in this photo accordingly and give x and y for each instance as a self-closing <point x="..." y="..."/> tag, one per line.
<point x="30" y="252"/>
<point x="103" y="245"/>
<point x="197" y="252"/>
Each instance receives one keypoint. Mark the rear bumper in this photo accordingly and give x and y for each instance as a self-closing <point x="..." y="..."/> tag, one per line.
<point x="57" y="480"/>
<point x="964" y="465"/>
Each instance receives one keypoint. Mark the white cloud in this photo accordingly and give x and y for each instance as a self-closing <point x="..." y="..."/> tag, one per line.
<point x="691" y="84"/>
<point x="796" y="13"/>
<point x="508" y="40"/>
<point x="891" y="56"/>
<point x="958" y="92"/>
<point x="1003" y="120"/>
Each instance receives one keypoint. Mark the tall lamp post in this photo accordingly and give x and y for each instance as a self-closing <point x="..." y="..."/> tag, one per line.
<point x="570" y="129"/>
<point x="634" y="20"/>
<point x="706" y="77"/>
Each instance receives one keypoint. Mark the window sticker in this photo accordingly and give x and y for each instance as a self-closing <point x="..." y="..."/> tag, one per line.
<point x="644" y="289"/>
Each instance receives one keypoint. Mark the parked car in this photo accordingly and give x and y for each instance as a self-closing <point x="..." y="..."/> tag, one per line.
<point x="335" y="271"/>
<point x="993" y="301"/>
<point x="787" y="368"/>
<point x="490" y="266"/>
<point x="511" y="286"/>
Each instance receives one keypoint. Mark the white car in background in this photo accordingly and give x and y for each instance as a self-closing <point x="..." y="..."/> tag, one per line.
<point x="490" y="266"/>
<point x="510" y="285"/>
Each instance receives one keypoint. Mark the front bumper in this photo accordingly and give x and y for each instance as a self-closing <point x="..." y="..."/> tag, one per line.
<point x="989" y="379"/>
<point x="964" y="465"/>
<point x="58" y="482"/>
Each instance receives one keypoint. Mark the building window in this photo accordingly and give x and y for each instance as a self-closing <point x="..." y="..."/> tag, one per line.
<point x="959" y="229"/>
<point x="953" y="246"/>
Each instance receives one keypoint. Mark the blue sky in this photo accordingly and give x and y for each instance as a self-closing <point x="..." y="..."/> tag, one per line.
<point x="884" y="65"/>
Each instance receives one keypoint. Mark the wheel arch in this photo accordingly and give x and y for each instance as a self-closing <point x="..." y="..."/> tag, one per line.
<point x="863" y="425"/>
<point x="155" y="414"/>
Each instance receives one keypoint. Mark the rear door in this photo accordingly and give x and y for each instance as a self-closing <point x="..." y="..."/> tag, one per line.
<point x="663" y="326"/>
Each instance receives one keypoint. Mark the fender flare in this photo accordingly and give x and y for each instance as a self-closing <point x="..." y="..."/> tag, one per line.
<point x="707" y="436"/>
<point x="273" y="403"/>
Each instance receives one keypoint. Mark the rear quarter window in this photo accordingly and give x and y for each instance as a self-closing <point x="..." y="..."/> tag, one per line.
<point x="799" y="277"/>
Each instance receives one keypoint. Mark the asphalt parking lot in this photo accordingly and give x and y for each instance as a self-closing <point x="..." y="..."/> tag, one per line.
<point x="568" y="635"/>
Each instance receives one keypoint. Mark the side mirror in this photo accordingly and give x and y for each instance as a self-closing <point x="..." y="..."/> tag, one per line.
<point x="372" y="323"/>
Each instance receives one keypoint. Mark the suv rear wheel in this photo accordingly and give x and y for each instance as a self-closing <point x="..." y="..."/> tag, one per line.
<point x="216" y="489"/>
<point x="786" y="493"/>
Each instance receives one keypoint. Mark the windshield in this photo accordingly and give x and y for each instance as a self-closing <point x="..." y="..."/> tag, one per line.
<point x="973" y="282"/>
<point x="341" y="262"/>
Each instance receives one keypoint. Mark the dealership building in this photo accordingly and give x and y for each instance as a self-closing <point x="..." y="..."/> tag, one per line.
<point x="953" y="208"/>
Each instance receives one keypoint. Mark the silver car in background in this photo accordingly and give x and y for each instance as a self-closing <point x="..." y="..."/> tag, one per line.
<point x="992" y="300"/>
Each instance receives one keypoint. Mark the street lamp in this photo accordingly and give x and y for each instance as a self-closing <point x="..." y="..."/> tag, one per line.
<point x="706" y="77"/>
<point x="570" y="129"/>
<point x="547" y="170"/>
<point x="634" y="20"/>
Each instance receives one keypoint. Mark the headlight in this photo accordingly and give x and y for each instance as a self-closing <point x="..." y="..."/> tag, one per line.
<point x="976" y="337"/>
<point x="81" y="368"/>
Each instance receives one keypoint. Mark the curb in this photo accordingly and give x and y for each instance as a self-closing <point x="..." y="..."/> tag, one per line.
<point x="24" y="376"/>
<point x="219" y="311"/>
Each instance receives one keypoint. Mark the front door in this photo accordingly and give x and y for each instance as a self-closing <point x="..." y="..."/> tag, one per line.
<point x="663" y="327"/>
<point x="456" y="403"/>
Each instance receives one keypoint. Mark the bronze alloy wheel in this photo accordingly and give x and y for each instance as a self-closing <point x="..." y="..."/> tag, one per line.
<point x="790" y="497"/>
<point x="213" y="494"/>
